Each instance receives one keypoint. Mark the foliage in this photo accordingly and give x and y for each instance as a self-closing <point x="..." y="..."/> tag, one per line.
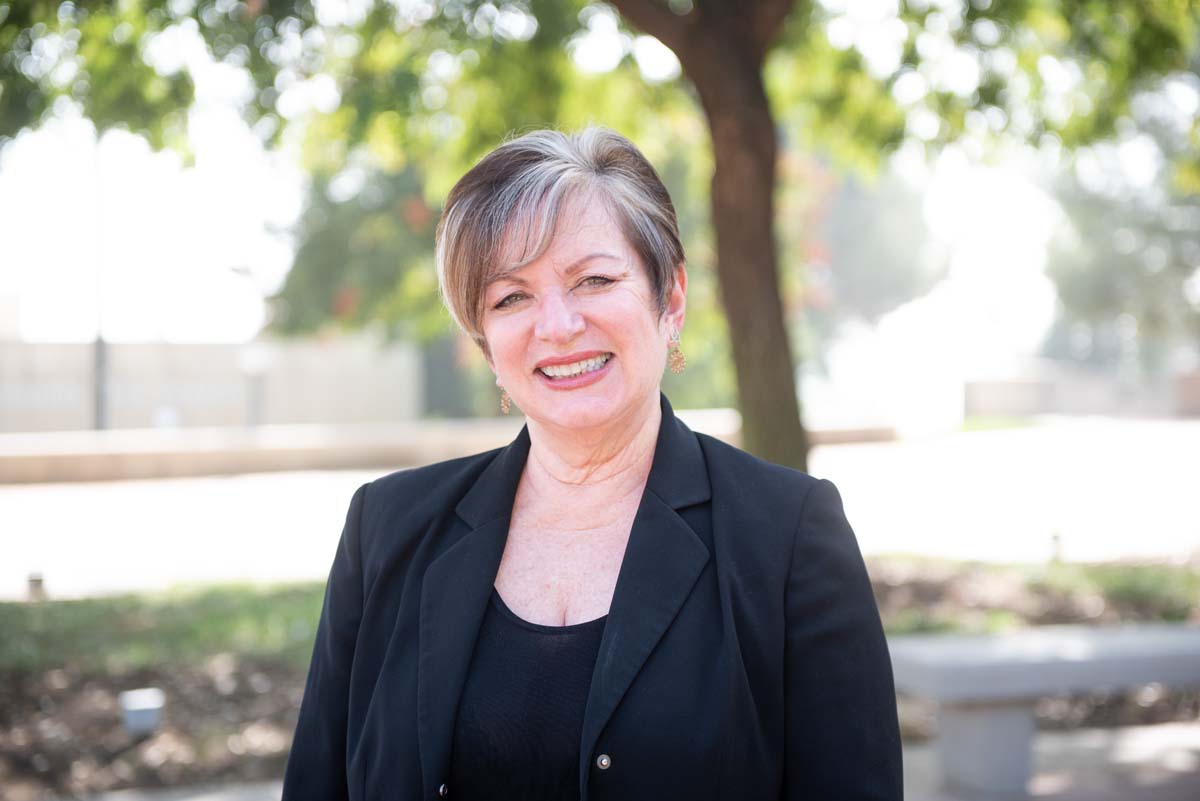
<point x="53" y="53"/>
<point x="422" y="89"/>
<point x="509" y="67"/>
<point x="364" y="258"/>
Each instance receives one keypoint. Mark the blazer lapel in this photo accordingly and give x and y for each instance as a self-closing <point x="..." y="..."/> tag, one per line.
<point x="454" y="597"/>
<point x="662" y="561"/>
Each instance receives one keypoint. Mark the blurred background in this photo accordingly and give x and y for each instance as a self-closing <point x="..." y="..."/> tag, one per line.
<point x="945" y="253"/>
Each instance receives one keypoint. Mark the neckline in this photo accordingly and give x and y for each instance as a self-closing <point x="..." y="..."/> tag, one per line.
<point x="542" y="628"/>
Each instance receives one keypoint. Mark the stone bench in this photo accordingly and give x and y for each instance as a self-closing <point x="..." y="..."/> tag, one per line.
<point x="986" y="687"/>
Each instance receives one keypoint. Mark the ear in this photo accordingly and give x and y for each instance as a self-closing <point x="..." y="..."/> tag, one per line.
<point x="677" y="300"/>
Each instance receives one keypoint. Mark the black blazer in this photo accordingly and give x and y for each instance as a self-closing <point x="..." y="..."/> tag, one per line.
<point x="743" y="656"/>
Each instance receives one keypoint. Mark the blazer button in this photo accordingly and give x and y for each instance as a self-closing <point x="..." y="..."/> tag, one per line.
<point x="604" y="762"/>
<point x="443" y="791"/>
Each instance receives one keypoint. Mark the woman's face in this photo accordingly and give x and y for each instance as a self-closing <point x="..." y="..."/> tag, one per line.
<point x="573" y="336"/>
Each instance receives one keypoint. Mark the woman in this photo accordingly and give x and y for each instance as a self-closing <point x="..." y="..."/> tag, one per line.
<point x="612" y="606"/>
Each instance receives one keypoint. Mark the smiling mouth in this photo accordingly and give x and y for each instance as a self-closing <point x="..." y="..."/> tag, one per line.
<point x="576" y="369"/>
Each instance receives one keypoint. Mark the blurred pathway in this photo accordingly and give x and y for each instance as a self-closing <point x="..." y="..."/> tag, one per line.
<point x="123" y="535"/>
<point x="1105" y="488"/>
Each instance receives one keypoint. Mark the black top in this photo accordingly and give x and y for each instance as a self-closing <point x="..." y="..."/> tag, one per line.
<point x="520" y="717"/>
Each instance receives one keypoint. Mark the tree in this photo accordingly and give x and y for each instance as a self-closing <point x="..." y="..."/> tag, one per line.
<point x="1126" y="261"/>
<point x="1031" y="69"/>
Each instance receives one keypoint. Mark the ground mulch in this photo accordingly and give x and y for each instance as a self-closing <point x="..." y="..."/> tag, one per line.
<point x="61" y="734"/>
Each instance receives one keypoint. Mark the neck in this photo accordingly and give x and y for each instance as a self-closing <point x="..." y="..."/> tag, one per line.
<point x="615" y="459"/>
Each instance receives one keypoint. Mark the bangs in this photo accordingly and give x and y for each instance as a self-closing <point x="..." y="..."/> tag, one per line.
<point x="532" y="225"/>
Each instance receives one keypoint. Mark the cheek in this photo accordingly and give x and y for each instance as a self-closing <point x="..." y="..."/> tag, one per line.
<point x="506" y="344"/>
<point x="639" y="321"/>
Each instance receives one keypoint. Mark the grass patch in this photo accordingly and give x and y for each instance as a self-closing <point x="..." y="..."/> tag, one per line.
<point x="928" y="594"/>
<point x="1148" y="592"/>
<point x="917" y="595"/>
<point x="125" y="632"/>
<point x="993" y="422"/>
<point x="914" y="620"/>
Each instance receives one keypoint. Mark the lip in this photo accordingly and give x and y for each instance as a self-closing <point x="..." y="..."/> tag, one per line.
<point x="570" y="358"/>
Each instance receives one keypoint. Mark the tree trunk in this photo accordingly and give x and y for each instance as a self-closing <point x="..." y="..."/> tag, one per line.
<point x="743" y="207"/>
<point x="721" y="47"/>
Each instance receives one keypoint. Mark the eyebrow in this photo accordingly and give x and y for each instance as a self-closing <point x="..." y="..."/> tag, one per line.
<point x="510" y="274"/>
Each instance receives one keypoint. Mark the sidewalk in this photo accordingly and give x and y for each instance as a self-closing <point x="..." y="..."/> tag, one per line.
<point x="1133" y="763"/>
<point x="1093" y="489"/>
<point x="262" y="791"/>
<point x="1136" y="763"/>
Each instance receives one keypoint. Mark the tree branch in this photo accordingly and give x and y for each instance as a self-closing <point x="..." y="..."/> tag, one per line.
<point x="653" y="17"/>
<point x="769" y="18"/>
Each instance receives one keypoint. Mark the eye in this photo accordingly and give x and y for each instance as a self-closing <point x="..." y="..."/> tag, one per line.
<point x="596" y="280"/>
<point x="509" y="300"/>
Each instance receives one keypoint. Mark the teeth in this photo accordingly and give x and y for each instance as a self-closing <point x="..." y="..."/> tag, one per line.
<point x="578" y="368"/>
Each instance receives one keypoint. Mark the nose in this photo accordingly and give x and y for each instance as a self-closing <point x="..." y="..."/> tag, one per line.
<point x="558" y="320"/>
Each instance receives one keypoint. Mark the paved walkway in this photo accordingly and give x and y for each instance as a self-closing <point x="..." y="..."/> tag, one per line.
<point x="1136" y="763"/>
<point x="1140" y="763"/>
<point x="1101" y="488"/>
<point x="263" y="791"/>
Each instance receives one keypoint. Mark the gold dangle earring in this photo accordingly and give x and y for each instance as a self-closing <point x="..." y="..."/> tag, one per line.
<point x="505" y="401"/>
<point x="675" y="358"/>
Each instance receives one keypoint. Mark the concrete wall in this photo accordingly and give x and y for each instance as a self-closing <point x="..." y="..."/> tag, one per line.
<point x="1187" y="394"/>
<point x="1049" y="388"/>
<point x="49" y="387"/>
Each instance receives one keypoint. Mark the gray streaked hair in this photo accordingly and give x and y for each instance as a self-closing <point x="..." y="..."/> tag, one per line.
<point x="508" y="205"/>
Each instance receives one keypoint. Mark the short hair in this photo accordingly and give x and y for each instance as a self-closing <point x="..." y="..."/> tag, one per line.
<point x="523" y="185"/>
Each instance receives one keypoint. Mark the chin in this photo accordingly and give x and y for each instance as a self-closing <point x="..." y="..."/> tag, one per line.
<point x="581" y="413"/>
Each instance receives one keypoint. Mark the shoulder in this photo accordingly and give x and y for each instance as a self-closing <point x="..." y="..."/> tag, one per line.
<point x="428" y="487"/>
<point x="769" y="521"/>
<point x="738" y="474"/>
<point x="397" y="507"/>
<point x="789" y="511"/>
<point x="798" y="514"/>
<point x="429" y="482"/>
